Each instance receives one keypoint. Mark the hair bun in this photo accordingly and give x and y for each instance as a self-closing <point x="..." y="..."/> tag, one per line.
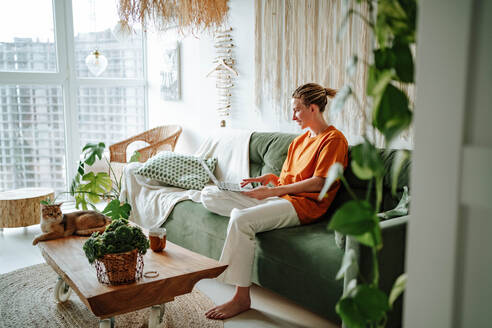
<point x="330" y="92"/>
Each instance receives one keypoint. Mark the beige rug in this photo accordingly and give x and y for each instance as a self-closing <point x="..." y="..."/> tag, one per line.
<point x="26" y="300"/>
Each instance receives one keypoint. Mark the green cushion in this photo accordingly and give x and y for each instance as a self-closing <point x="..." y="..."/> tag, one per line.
<point x="183" y="171"/>
<point x="267" y="152"/>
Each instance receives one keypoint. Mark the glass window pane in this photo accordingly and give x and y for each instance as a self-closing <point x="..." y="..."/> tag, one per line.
<point x="94" y="22"/>
<point x="32" y="137"/>
<point x="110" y="114"/>
<point x="27" y="36"/>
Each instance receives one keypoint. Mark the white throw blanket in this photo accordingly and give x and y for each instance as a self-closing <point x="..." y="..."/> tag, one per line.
<point x="152" y="203"/>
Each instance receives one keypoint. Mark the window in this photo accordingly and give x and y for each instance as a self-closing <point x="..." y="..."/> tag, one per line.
<point x="51" y="105"/>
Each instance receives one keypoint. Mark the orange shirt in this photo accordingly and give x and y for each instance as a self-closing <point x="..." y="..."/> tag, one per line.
<point x="313" y="156"/>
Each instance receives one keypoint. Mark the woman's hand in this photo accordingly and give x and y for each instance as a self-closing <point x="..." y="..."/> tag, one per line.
<point x="261" y="192"/>
<point x="264" y="180"/>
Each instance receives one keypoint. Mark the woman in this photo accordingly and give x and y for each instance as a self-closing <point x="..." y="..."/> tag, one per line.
<point x="291" y="199"/>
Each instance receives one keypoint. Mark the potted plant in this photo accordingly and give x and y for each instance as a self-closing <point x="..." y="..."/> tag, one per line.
<point x="89" y="188"/>
<point x="117" y="252"/>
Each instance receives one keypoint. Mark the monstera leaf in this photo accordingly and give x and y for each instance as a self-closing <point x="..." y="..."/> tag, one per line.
<point x="93" y="151"/>
<point x="97" y="184"/>
<point x="116" y="210"/>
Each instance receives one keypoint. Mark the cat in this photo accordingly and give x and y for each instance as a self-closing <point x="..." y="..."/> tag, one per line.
<point x="55" y="224"/>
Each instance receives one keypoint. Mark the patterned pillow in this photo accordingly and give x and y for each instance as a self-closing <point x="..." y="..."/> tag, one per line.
<point x="184" y="171"/>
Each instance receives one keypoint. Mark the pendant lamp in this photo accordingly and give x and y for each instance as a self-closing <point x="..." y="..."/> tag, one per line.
<point x="96" y="62"/>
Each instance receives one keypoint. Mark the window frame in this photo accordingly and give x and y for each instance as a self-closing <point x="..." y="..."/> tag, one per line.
<point x="66" y="77"/>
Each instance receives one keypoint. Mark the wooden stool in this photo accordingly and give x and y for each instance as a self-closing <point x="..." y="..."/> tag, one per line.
<point x="21" y="207"/>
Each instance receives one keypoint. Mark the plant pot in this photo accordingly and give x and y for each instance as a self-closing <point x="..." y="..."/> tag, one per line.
<point x="120" y="268"/>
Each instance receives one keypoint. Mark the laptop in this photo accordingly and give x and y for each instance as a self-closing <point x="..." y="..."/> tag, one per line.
<point x="222" y="185"/>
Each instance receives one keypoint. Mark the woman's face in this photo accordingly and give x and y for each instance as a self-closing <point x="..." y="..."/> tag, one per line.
<point x="301" y="113"/>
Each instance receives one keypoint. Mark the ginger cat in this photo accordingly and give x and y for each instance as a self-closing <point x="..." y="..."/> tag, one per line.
<point x="54" y="224"/>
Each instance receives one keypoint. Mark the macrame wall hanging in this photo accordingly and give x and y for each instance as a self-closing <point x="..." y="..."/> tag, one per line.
<point x="296" y="43"/>
<point x="224" y="72"/>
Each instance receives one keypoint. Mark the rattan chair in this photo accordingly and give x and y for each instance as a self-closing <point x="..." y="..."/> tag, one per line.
<point x="159" y="139"/>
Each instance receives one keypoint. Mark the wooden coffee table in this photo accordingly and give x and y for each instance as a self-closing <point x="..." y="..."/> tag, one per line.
<point x="179" y="270"/>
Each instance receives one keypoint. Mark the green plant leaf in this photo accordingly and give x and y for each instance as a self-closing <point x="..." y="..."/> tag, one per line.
<point x="371" y="302"/>
<point x="80" y="169"/>
<point x="378" y="80"/>
<point x="404" y="62"/>
<point x="401" y="157"/>
<point x="116" y="210"/>
<point x="384" y="58"/>
<point x="340" y="99"/>
<point x="92" y="151"/>
<point x="398" y="288"/>
<point x="80" y="201"/>
<point x="395" y="19"/>
<point x="334" y="173"/>
<point x="44" y="202"/>
<point x="366" y="162"/>
<point x="75" y="184"/>
<point x="349" y="261"/>
<point x="349" y="312"/>
<point x="135" y="157"/>
<point x="372" y="238"/>
<point x="96" y="184"/>
<point x="392" y="115"/>
<point x="355" y="217"/>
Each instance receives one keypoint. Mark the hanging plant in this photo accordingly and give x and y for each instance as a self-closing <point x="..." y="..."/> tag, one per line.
<point x="188" y="16"/>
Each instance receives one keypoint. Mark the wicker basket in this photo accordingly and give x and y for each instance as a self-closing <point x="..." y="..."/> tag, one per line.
<point x="120" y="268"/>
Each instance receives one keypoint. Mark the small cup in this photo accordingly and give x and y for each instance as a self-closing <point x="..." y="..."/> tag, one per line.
<point x="157" y="237"/>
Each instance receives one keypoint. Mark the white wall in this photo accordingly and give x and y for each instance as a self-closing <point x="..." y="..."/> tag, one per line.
<point x="196" y="109"/>
<point x="449" y="258"/>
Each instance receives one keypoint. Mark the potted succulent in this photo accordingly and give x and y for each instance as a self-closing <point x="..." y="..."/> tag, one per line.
<point x="117" y="252"/>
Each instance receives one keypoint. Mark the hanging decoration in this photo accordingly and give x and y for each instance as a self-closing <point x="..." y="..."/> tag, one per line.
<point x="296" y="42"/>
<point x="95" y="61"/>
<point x="192" y="16"/>
<point x="224" y="72"/>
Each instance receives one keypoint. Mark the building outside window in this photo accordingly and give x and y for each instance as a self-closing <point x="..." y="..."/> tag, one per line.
<point x="50" y="103"/>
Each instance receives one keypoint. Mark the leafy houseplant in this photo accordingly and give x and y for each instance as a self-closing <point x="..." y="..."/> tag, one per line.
<point x="365" y="305"/>
<point x="89" y="189"/>
<point x="119" y="237"/>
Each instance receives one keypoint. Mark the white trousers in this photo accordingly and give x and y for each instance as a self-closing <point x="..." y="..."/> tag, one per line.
<point x="247" y="217"/>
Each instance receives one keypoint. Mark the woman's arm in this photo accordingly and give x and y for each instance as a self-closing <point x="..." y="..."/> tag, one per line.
<point x="313" y="184"/>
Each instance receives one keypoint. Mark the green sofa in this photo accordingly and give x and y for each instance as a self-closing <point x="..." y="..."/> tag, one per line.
<point x="299" y="263"/>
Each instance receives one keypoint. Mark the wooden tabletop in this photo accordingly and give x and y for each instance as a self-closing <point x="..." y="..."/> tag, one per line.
<point x="179" y="269"/>
<point x="25" y="193"/>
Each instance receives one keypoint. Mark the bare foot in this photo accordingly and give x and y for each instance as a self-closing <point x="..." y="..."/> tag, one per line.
<point x="239" y="303"/>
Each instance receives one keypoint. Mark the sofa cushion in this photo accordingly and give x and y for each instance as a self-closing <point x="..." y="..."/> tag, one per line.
<point x="267" y="152"/>
<point x="184" y="171"/>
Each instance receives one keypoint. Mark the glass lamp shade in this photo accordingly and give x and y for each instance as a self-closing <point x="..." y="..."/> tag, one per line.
<point x="123" y="32"/>
<point x="96" y="63"/>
